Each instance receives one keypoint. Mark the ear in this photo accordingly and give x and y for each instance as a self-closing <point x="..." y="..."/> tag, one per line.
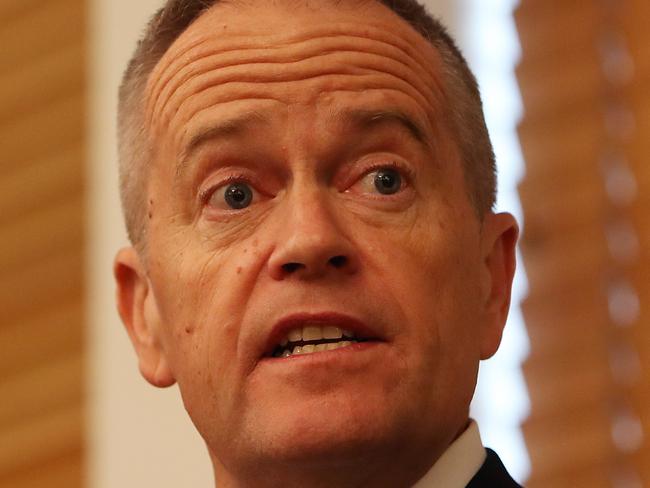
<point x="499" y="240"/>
<point x="139" y="312"/>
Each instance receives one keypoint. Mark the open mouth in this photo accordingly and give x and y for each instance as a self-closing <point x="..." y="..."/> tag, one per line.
<point x="313" y="339"/>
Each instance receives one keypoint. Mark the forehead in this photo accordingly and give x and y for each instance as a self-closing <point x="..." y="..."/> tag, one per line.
<point x="242" y="53"/>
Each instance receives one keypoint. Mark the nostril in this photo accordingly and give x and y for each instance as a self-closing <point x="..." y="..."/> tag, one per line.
<point x="291" y="267"/>
<point x="338" y="261"/>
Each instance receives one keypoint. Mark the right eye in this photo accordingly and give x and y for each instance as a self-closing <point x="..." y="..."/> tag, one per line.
<point x="236" y="195"/>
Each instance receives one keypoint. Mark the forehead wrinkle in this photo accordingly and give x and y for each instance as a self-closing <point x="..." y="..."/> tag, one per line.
<point x="215" y="60"/>
<point x="174" y="62"/>
<point x="171" y="58"/>
<point x="269" y="74"/>
<point x="156" y="82"/>
<point x="406" y="40"/>
<point x="215" y="95"/>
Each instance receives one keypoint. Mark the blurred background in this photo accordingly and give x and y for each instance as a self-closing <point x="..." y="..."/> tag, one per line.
<point x="565" y="402"/>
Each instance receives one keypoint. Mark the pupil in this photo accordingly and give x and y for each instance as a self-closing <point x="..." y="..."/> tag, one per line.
<point x="238" y="195"/>
<point x="388" y="181"/>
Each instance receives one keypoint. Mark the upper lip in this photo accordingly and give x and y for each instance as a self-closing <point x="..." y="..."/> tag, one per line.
<point x="282" y="327"/>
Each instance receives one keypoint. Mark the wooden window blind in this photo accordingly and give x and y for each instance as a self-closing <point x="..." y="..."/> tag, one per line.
<point x="42" y="95"/>
<point x="585" y="83"/>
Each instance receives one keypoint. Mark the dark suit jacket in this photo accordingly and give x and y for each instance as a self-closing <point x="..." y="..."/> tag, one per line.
<point x="492" y="474"/>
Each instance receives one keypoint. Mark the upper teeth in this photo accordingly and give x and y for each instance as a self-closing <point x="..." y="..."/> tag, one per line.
<point x="304" y="340"/>
<point x="315" y="333"/>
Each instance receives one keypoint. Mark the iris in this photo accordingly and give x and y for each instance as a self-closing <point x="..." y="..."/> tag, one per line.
<point x="238" y="195"/>
<point x="388" y="181"/>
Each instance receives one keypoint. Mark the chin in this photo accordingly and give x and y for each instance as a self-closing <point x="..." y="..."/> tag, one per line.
<point x="331" y="429"/>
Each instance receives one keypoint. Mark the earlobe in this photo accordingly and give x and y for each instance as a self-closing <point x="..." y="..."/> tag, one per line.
<point x="500" y="234"/>
<point x="139" y="312"/>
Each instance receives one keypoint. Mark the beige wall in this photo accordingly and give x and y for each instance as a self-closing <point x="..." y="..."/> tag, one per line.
<point x="139" y="436"/>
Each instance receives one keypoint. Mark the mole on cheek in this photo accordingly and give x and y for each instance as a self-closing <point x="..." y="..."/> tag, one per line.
<point x="189" y="329"/>
<point x="239" y="269"/>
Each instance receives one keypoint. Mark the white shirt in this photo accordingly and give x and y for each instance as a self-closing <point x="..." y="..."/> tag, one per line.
<point x="458" y="464"/>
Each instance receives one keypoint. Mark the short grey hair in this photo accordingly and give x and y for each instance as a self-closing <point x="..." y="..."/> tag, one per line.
<point x="464" y="108"/>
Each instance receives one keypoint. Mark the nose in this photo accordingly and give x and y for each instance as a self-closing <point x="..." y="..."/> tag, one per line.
<point x="310" y="243"/>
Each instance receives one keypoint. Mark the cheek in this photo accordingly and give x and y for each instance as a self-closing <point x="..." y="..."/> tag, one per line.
<point x="201" y="316"/>
<point x="205" y="295"/>
<point x="433" y="276"/>
<point x="200" y="302"/>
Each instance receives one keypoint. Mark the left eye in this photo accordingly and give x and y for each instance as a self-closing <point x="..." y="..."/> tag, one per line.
<point x="386" y="181"/>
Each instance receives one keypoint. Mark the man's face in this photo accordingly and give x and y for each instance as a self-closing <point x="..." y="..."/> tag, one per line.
<point x="304" y="177"/>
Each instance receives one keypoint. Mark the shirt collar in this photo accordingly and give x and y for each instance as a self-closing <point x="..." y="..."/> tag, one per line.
<point x="459" y="463"/>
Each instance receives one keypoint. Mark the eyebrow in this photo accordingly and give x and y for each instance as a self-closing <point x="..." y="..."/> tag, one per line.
<point x="360" y="119"/>
<point x="366" y="119"/>
<point x="227" y="128"/>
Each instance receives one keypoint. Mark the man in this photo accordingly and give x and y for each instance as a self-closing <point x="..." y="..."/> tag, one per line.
<point x="308" y="187"/>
